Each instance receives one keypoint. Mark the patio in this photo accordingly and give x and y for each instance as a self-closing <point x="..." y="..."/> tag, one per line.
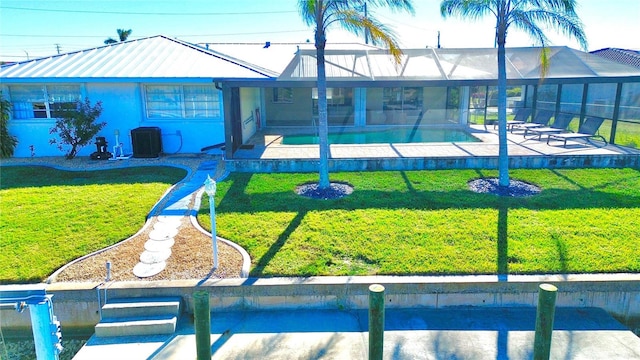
<point x="267" y="154"/>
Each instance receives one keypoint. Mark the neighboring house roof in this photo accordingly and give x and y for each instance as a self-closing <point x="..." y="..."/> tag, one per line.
<point x="155" y="58"/>
<point x="623" y="56"/>
<point x="451" y="65"/>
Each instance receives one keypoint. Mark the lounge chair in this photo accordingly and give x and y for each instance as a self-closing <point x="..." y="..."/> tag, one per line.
<point x="560" y="125"/>
<point x="522" y="114"/>
<point x="587" y="131"/>
<point x="541" y="119"/>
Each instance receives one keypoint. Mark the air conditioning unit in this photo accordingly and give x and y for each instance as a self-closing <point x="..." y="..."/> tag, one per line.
<point x="147" y="142"/>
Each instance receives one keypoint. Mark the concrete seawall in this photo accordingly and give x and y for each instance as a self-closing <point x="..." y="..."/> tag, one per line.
<point x="77" y="305"/>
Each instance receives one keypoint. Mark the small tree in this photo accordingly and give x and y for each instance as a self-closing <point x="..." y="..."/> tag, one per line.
<point x="8" y="142"/>
<point x="77" y="127"/>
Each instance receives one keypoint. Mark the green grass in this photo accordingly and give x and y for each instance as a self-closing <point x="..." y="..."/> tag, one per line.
<point x="627" y="133"/>
<point x="414" y="222"/>
<point x="428" y="222"/>
<point x="49" y="217"/>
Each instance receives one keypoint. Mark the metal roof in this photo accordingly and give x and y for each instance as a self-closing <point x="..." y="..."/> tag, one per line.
<point x="452" y="64"/>
<point x="155" y="58"/>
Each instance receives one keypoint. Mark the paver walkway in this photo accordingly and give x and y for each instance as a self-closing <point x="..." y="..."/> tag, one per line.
<point x="176" y="203"/>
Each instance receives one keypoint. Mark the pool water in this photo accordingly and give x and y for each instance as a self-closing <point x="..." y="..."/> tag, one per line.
<point x="402" y="135"/>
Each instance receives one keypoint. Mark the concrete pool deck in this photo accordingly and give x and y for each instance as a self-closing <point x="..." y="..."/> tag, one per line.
<point x="267" y="155"/>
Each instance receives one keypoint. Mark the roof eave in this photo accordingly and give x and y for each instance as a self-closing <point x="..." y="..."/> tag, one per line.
<point x="181" y="80"/>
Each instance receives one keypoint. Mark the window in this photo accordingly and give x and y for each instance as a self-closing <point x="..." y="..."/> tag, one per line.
<point x="403" y="105"/>
<point x="335" y="97"/>
<point x="283" y="95"/>
<point x="406" y="98"/>
<point x="453" y="104"/>
<point x="339" y="105"/>
<point x="164" y="102"/>
<point x="42" y="101"/>
<point x="201" y="102"/>
<point x="182" y="101"/>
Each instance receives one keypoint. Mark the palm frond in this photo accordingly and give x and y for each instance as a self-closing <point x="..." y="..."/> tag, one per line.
<point x="307" y="9"/>
<point x="567" y="24"/>
<point x="348" y="14"/>
<point x="523" y="21"/>
<point x="469" y="9"/>
<point x="394" y="5"/>
<point x="554" y="5"/>
<point x="544" y="62"/>
<point x="380" y="34"/>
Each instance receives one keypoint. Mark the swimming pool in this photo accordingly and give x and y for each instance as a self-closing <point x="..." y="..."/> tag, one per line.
<point x="401" y="135"/>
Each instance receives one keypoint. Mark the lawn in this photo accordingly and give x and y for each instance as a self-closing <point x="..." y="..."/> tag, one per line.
<point x="402" y="222"/>
<point x="49" y="217"/>
<point x="428" y="222"/>
<point x="627" y="133"/>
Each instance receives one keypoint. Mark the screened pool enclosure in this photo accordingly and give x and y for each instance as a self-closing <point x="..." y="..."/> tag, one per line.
<point x="436" y="88"/>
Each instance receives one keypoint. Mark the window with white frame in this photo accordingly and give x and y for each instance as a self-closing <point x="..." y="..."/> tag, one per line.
<point x="182" y="101"/>
<point x="283" y="95"/>
<point x="42" y="101"/>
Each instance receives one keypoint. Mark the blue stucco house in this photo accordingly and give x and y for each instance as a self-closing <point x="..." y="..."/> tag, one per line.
<point x="154" y="82"/>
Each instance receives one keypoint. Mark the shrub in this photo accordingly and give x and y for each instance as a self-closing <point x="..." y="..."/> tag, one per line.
<point x="8" y="142"/>
<point x="77" y="127"/>
<point x="514" y="91"/>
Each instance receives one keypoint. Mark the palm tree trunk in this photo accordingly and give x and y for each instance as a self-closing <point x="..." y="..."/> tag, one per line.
<point x="323" y="127"/>
<point x="503" y="155"/>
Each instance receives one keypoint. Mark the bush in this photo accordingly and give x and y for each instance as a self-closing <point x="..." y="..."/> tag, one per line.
<point x="77" y="127"/>
<point x="7" y="142"/>
<point x="514" y="91"/>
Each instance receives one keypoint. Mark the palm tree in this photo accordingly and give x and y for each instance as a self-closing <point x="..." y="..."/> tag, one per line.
<point x="347" y="13"/>
<point x="530" y="16"/>
<point x="122" y="35"/>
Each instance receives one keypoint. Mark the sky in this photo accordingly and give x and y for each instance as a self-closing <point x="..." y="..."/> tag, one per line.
<point x="38" y="28"/>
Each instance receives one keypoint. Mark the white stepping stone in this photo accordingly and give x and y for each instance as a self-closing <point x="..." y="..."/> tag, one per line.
<point x="153" y="245"/>
<point x="152" y="257"/>
<point x="143" y="270"/>
<point x="171" y="219"/>
<point x="160" y="235"/>
<point x="165" y="226"/>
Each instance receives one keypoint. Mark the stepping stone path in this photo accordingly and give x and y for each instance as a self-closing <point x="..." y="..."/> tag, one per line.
<point x="176" y="207"/>
<point x="158" y="248"/>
